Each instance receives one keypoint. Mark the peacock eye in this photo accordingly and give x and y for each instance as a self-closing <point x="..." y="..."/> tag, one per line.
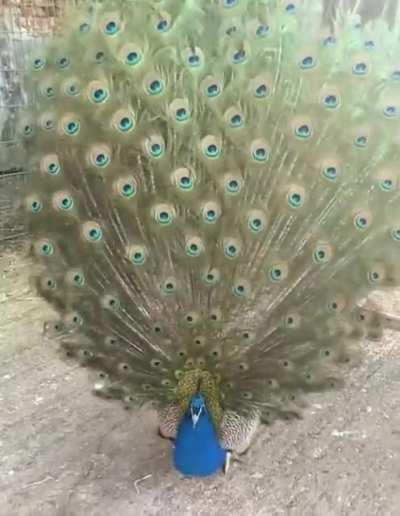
<point x="361" y="141"/>
<point x="391" y="111"/>
<point x="303" y="131"/>
<point x="213" y="90"/>
<point x="360" y="68"/>
<point x="84" y="27"/>
<point x="239" y="56"/>
<point x="329" y="42"/>
<point x="331" y="101"/>
<point x="331" y="173"/>
<point x="295" y="198"/>
<point x="99" y="57"/>
<point x="156" y="87"/>
<point x="63" y="62"/>
<point x="307" y="63"/>
<point x="262" y="31"/>
<point x="39" y="63"/>
<point x="112" y="28"/>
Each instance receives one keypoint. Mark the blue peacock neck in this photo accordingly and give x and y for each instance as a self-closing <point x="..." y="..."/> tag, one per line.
<point x="197" y="449"/>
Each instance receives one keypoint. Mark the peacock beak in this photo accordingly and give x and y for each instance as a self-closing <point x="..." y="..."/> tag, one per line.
<point x="195" y="412"/>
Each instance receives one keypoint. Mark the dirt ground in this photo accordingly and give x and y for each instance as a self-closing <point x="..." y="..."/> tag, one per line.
<point x="65" y="452"/>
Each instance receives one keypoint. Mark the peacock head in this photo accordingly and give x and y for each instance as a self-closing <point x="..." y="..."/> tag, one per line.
<point x="197" y="407"/>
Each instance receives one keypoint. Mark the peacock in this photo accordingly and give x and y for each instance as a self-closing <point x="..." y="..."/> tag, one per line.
<point x="215" y="192"/>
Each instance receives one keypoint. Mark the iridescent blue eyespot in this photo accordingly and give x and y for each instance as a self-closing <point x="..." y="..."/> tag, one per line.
<point x="236" y="121"/>
<point x="233" y="186"/>
<point x="194" y="60"/>
<point x="322" y="254"/>
<point x="99" y="57"/>
<point x="95" y="234"/>
<point x="72" y="90"/>
<point x="395" y="234"/>
<point x="27" y="130"/>
<point x="193" y="249"/>
<point x="47" y="249"/>
<point x="261" y="91"/>
<point x="231" y="251"/>
<point x="156" y="87"/>
<point x="374" y="277"/>
<point x="39" y="63"/>
<point x="53" y="169"/>
<point x="275" y="274"/>
<point x="78" y="279"/>
<point x="213" y="90"/>
<point x="210" y="215"/>
<point x="111" y="28"/>
<point x="186" y="183"/>
<point x="387" y="185"/>
<point x="209" y="278"/>
<point x="331" y="101"/>
<point x="73" y="127"/>
<point x="295" y="200"/>
<point x="230" y="3"/>
<point x="396" y="75"/>
<point x="66" y="203"/>
<point x="330" y="173"/>
<point x="307" y="63"/>
<point x="126" y="187"/>
<point x="255" y="224"/>
<point x="361" y="221"/>
<point x="128" y="190"/>
<point x="239" y="56"/>
<point x="50" y="93"/>
<point x="239" y="290"/>
<point x="63" y="62"/>
<point x="102" y="160"/>
<point x="156" y="150"/>
<point x="181" y="114"/>
<point x="49" y="124"/>
<point x="138" y="258"/>
<point x="303" y="131"/>
<point x="125" y="124"/>
<point x="391" y="111"/>
<point x="164" y="217"/>
<point x="329" y="41"/>
<point x="360" y="69"/>
<point x="290" y="8"/>
<point x="169" y="287"/>
<point x="262" y="31"/>
<point x="212" y="150"/>
<point x="84" y="27"/>
<point x="361" y="141"/>
<point x="99" y="95"/>
<point x="260" y="154"/>
<point x="369" y="44"/>
<point x="163" y="25"/>
<point x="36" y="206"/>
<point x="133" y="58"/>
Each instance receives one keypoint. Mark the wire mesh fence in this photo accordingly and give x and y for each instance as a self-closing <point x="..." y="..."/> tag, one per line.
<point x="24" y="24"/>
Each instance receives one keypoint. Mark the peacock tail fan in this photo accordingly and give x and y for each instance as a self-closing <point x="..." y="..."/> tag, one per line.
<point x="215" y="189"/>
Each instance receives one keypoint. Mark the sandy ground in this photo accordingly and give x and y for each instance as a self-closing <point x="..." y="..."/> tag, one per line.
<point x="65" y="452"/>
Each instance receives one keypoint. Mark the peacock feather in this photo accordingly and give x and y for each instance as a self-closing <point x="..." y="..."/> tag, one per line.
<point x="215" y="192"/>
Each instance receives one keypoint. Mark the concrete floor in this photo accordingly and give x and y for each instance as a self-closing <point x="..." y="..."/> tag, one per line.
<point x="65" y="452"/>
